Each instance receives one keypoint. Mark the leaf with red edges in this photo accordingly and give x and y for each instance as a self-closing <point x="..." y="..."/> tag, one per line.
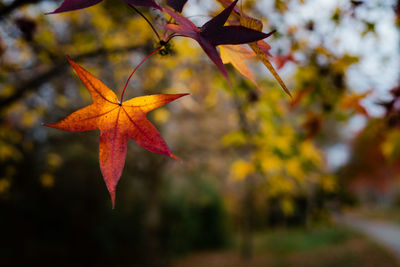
<point x="117" y="122"/>
<point x="214" y="33"/>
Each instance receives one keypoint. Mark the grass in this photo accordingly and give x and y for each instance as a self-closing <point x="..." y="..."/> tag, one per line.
<point x="297" y="240"/>
<point x="323" y="246"/>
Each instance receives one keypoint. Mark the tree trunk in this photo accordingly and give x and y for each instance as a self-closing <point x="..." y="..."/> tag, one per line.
<point x="247" y="219"/>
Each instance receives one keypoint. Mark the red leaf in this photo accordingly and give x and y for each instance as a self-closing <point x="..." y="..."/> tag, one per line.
<point x="214" y="33"/>
<point x="117" y="122"/>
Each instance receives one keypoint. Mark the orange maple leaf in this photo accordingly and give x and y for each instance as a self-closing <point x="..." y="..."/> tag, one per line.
<point x="117" y="123"/>
<point x="353" y="100"/>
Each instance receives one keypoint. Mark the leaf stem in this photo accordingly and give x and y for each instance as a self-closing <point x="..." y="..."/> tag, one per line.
<point x="173" y="35"/>
<point x="137" y="67"/>
<point x="148" y="21"/>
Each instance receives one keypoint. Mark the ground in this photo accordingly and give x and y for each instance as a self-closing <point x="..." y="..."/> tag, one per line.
<point x="328" y="247"/>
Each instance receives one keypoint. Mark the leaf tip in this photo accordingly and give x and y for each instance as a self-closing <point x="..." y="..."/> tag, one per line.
<point x="47" y="124"/>
<point x="112" y="195"/>
<point x="113" y="204"/>
<point x="175" y="157"/>
<point x="184" y="94"/>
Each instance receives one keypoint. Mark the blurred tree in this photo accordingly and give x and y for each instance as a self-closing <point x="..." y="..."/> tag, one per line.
<point x="251" y="154"/>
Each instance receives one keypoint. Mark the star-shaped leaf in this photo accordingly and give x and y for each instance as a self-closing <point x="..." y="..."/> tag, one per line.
<point x="69" y="5"/>
<point x="117" y="123"/>
<point x="214" y="33"/>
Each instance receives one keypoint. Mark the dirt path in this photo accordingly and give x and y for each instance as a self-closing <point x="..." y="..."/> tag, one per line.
<point x="385" y="233"/>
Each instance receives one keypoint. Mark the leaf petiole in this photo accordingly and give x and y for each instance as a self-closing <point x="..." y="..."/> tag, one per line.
<point x="137" y="67"/>
<point x="173" y="35"/>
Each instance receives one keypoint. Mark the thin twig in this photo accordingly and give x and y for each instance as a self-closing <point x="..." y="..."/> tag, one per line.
<point x="148" y="21"/>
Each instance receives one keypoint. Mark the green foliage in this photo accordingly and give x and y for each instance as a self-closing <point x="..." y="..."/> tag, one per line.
<point x="194" y="218"/>
<point x="299" y="240"/>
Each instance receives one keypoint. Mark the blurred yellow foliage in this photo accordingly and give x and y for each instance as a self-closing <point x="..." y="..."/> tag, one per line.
<point x="6" y="91"/>
<point x="4" y="185"/>
<point x="282" y="143"/>
<point x="100" y="20"/>
<point x="387" y="148"/>
<point x="271" y="163"/>
<point x="161" y="115"/>
<point x="390" y="147"/>
<point x="240" y="169"/>
<point x="294" y="169"/>
<point x="54" y="160"/>
<point x="329" y="183"/>
<point x="279" y="185"/>
<point x="8" y="151"/>
<point x="236" y="138"/>
<point x="310" y="153"/>
<point x="344" y="62"/>
<point x="47" y="180"/>
<point x="62" y="101"/>
<point x="29" y="119"/>
<point x="287" y="206"/>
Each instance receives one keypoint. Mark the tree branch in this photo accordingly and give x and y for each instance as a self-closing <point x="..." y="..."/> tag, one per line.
<point x="57" y="68"/>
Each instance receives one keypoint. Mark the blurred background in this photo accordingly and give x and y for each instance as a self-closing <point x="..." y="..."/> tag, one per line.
<point x="266" y="180"/>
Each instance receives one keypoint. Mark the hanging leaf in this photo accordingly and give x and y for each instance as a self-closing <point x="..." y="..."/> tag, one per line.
<point x="260" y="48"/>
<point x="117" y="122"/>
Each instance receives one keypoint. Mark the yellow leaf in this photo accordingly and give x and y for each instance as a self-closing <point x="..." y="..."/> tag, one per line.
<point x="236" y="54"/>
<point x="255" y="25"/>
<point x="263" y="57"/>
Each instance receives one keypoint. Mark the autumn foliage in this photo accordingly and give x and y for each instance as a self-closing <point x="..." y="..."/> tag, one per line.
<point x="119" y="121"/>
